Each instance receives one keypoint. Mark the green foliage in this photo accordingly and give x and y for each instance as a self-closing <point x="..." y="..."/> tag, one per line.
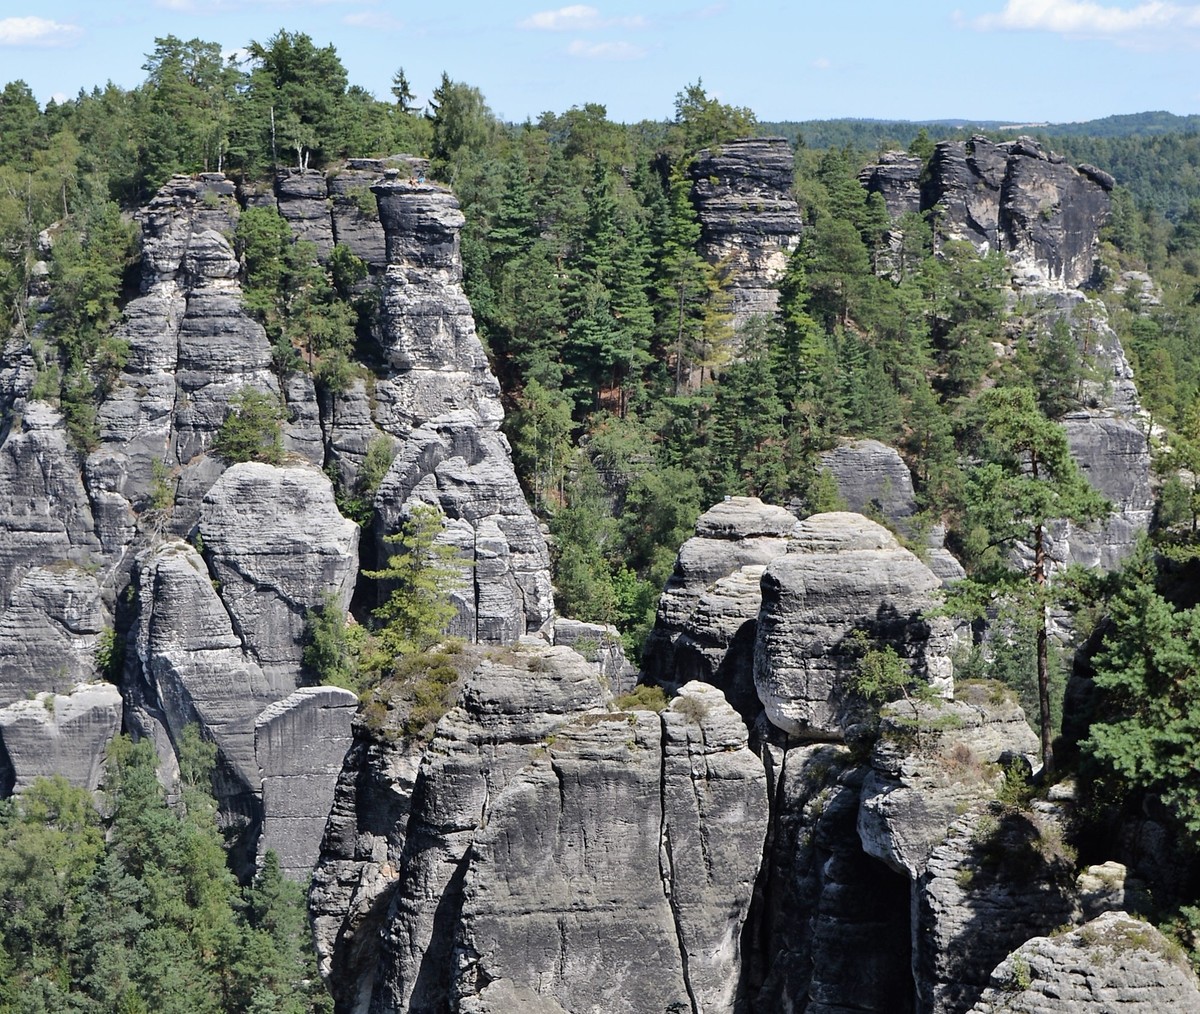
<point x="110" y="655"/>
<point x="331" y="646"/>
<point x="137" y="910"/>
<point x="358" y="503"/>
<point x="881" y="674"/>
<point x="422" y="574"/>
<point x="643" y="697"/>
<point x="253" y="430"/>
<point x="1028" y="479"/>
<point x="702" y="121"/>
<point x="1144" y="735"/>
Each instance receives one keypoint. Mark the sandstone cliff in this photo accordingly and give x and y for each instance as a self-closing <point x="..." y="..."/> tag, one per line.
<point x="749" y="220"/>
<point x="96" y="578"/>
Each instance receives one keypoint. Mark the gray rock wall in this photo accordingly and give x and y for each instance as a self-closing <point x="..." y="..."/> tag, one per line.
<point x="708" y="612"/>
<point x="749" y="220"/>
<point x="61" y="734"/>
<point x="1018" y="198"/>
<point x="842" y="574"/>
<point x="1115" y="962"/>
<point x="550" y="848"/>
<point x="300" y="743"/>
<point x="440" y="401"/>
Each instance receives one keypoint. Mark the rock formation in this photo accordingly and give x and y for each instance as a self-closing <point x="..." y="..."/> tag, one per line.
<point x="1045" y="216"/>
<point x="843" y="585"/>
<point x="750" y="222"/>
<point x="873" y="479"/>
<point x="1115" y="962"/>
<point x="896" y="177"/>
<point x="214" y="633"/>
<point x="600" y="860"/>
<point x="441" y="401"/>
<point x="1020" y="199"/>
<point x="708" y="612"/>
<point x="59" y="734"/>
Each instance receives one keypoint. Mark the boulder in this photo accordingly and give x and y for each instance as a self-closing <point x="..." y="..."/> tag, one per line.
<point x="1115" y="962"/>
<point x="50" y="632"/>
<point x="278" y="547"/>
<point x="708" y="612"/>
<point x="60" y="734"/>
<point x="872" y="478"/>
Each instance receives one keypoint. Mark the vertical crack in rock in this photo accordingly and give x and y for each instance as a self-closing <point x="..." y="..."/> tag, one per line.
<point x="667" y="868"/>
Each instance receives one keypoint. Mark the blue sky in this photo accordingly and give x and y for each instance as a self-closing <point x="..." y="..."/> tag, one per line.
<point x="1022" y="61"/>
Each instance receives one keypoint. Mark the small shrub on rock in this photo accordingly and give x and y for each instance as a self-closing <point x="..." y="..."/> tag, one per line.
<point x="253" y="430"/>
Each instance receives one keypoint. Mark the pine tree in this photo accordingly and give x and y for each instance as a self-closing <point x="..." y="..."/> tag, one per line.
<point x="422" y="574"/>
<point x="1028" y="480"/>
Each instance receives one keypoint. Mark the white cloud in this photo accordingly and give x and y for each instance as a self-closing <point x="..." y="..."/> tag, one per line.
<point x="377" y="20"/>
<point x="619" y="51"/>
<point x="822" y="63"/>
<point x="33" y="31"/>
<point x="1084" y="17"/>
<point x="578" y="18"/>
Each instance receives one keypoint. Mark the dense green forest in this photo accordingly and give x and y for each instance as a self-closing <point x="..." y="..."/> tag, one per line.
<point x="633" y="405"/>
<point x="133" y="909"/>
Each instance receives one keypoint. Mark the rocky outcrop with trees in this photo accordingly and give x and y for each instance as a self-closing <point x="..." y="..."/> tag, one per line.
<point x="626" y="580"/>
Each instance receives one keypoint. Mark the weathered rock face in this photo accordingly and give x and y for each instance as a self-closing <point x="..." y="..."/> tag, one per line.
<point x="1115" y="962"/>
<point x="216" y="637"/>
<point x="999" y="878"/>
<point x="749" y="220"/>
<point x="708" y="612"/>
<point x="220" y="641"/>
<point x="277" y="546"/>
<point x="932" y="759"/>
<point x="842" y="574"/>
<point x="509" y="707"/>
<point x="356" y="875"/>
<point x="50" y="632"/>
<point x="1114" y="455"/>
<point x="45" y="516"/>
<point x="60" y="734"/>
<point x="302" y="197"/>
<point x="666" y="905"/>
<point x="599" y="643"/>
<point x="300" y="743"/>
<point x="551" y="850"/>
<point x="441" y="401"/>
<point x="830" y="926"/>
<point x="896" y="177"/>
<point x="872" y="478"/>
<point x="1020" y="199"/>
